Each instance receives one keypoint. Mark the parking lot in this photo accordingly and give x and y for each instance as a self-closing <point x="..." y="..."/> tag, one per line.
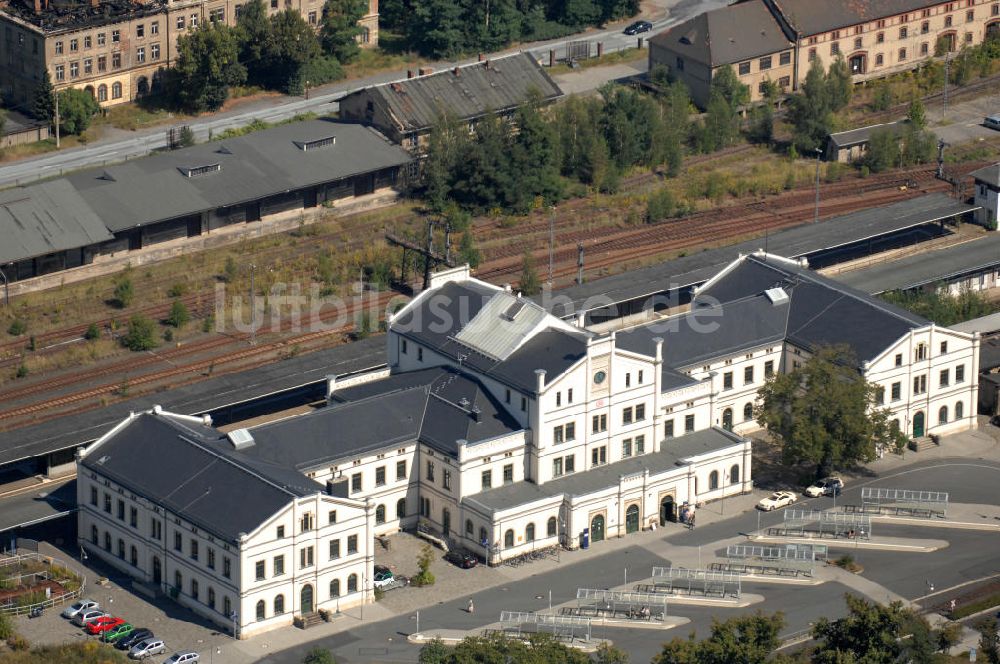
<point x="963" y="122"/>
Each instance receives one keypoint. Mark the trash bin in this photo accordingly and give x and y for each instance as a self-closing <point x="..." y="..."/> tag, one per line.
<point x="585" y="539"/>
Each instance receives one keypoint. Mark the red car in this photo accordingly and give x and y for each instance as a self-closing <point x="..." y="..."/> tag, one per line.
<point x="103" y="624"/>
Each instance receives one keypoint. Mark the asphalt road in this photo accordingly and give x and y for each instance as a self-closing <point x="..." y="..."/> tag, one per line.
<point x="32" y="507"/>
<point x="971" y="555"/>
<point x="964" y="121"/>
<point x="321" y="100"/>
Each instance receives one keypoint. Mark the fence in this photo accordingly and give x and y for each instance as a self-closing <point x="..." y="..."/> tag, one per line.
<point x="11" y="606"/>
<point x="782" y="560"/>
<point x="705" y="582"/>
<point x="567" y="628"/>
<point x="807" y="523"/>
<point x="634" y="605"/>
<point x="902" y="501"/>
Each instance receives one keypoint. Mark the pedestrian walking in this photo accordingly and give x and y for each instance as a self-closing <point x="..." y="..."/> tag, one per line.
<point x="472" y="607"/>
<point x="691" y="521"/>
<point x="951" y="606"/>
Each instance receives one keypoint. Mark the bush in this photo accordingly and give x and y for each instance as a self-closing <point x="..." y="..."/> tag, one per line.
<point x="141" y="334"/>
<point x="363" y="327"/>
<point x="124" y="292"/>
<point x="379" y="593"/>
<point x="660" y="206"/>
<point x="319" y="656"/>
<point x="6" y="627"/>
<point x="17" y="328"/>
<point x="178" y="316"/>
<point x="424" y="577"/>
<point x="22" y="370"/>
<point x="230" y="270"/>
<point x="322" y="70"/>
<point x="178" y="289"/>
<point x="93" y="332"/>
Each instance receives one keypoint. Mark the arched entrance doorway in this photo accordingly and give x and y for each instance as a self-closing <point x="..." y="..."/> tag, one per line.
<point x="667" y="513"/>
<point x="632" y="519"/>
<point x="993" y="30"/>
<point x="918" y="424"/>
<point x="858" y="63"/>
<point x="142" y="86"/>
<point x="90" y="90"/>
<point x="597" y="528"/>
<point x="157" y="571"/>
<point x="727" y="419"/>
<point x="306" y="605"/>
<point x="945" y="43"/>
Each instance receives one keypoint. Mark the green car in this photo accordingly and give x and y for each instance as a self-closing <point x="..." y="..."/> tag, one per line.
<point x="118" y="632"/>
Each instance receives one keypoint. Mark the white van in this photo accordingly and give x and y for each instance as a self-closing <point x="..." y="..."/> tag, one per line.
<point x="992" y="122"/>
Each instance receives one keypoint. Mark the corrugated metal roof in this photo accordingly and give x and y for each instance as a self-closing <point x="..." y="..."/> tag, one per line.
<point x="988" y="174"/>
<point x="251" y="167"/>
<point x="492" y="85"/>
<point x="861" y="135"/>
<point x="501" y="326"/>
<point x="44" y="218"/>
<point x="811" y="17"/>
<point x="984" y="325"/>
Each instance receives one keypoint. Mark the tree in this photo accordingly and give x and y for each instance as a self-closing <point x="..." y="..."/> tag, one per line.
<point x="744" y="639"/>
<point x="870" y="633"/>
<point x="609" y="654"/>
<point x="253" y="31"/>
<point x="578" y="13"/>
<point x="722" y="121"/>
<point x="839" y="83"/>
<point x="530" y="283"/>
<point x="424" y="576"/>
<point x="468" y="252"/>
<point x="493" y="24"/>
<point x="141" y="334"/>
<point x="93" y="332"/>
<point x="825" y="413"/>
<point x="207" y="65"/>
<point x="949" y="636"/>
<point x="319" y="656"/>
<point x="916" y="114"/>
<point x="660" y="205"/>
<point x="484" y="179"/>
<point x="435" y="652"/>
<point x="293" y="44"/>
<point x="941" y="307"/>
<point x="582" y="147"/>
<point x="761" y="129"/>
<point x="43" y="103"/>
<point x="124" y="292"/>
<point x="76" y="108"/>
<point x="178" y="316"/>
<point x="989" y="642"/>
<point x="884" y="150"/>
<point x="810" y="112"/>
<point x="339" y="28"/>
<point x="726" y="83"/>
<point x="444" y="145"/>
<point x="435" y="28"/>
<point x="186" y="139"/>
<point x="499" y="648"/>
<point x="534" y="159"/>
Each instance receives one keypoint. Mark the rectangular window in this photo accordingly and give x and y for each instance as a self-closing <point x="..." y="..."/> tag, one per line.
<point x="524" y="403"/>
<point x="902" y="54"/>
<point x="133" y="516"/>
<point x="74" y="69"/>
<point x="140" y="54"/>
<point x="331" y="517"/>
<point x="60" y="73"/>
<point x="279" y="565"/>
<point x="88" y="66"/>
<point x="627" y="415"/>
<point x="102" y="39"/>
<point x="960" y="373"/>
<point x="880" y="395"/>
<point x="558" y="399"/>
<point x="768" y="368"/>
<point x="306" y="522"/>
<point x="569" y="395"/>
<point x="557" y="434"/>
<point x="178" y="542"/>
<point x="154" y="52"/>
<point x="920" y="384"/>
<point x="355" y="482"/>
<point x="116" y="36"/>
<point x="279" y="532"/>
<point x="668" y="429"/>
<point x="260" y="571"/>
<point x="744" y="68"/>
<point x="194" y="21"/>
<point x="970" y="16"/>
<point x="116" y="60"/>
<point x="380" y="476"/>
<point x="74" y="45"/>
<point x="121" y="510"/>
<point x="857" y="44"/>
<point x="599" y="423"/>
<point x="944" y="347"/>
<point x="180" y="22"/>
<point x="217" y="15"/>
<point x="727" y="380"/>
<point x="570" y="431"/>
<point x="59" y="48"/>
<point x="312" y="18"/>
<point x="154" y="28"/>
<point x="430" y="471"/>
<point x="639" y="377"/>
<point x="640" y="412"/>
<point x="812" y="54"/>
<point x="194" y="549"/>
<point x="557" y="467"/>
<point x="944" y="380"/>
<point x="947" y="21"/>
<point x="508" y="473"/>
<point x="640" y="445"/>
<point x="688" y="423"/>
<point x="334" y="549"/>
<point x="747" y="375"/>
<point x="835" y="48"/>
<point x="88" y="41"/>
<point x="227" y="567"/>
<point x="925" y="27"/>
<point x="880" y="38"/>
<point x="903" y="32"/>
<point x="93" y="496"/>
<point x="569" y="464"/>
<point x="896" y="391"/>
<point x="446" y="479"/>
<point x="306" y="557"/>
<point x="102" y="63"/>
<point x="626" y="448"/>
<point x="400" y="470"/>
<point x="487" y="476"/>
<point x="680" y="64"/>
<point x="352" y="544"/>
<point x="211" y="559"/>
<point x="507" y="396"/>
<point x="599" y="456"/>
<point x="765" y="63"/>
<point x="628" y="380"/>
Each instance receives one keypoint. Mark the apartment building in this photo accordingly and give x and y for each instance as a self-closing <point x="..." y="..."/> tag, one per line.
<point x="115" y="49"/>
<point x="875" y="39"/>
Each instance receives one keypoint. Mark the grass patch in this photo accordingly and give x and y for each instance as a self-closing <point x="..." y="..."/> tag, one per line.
<point x="987" y="602"/>
<point x="613" y="58"/>
<point x="134" y="116"/>
<point x="40" y="147"/>
<point x="376" y="60"/>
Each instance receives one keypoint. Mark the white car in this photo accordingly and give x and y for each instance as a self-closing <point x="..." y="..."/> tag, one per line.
<point x="79" y="607"/>
<point x="776" y="500"/>
<point x="88" y="615"/>
<point x="184" y="657"/>
<point x="825" y="487"/>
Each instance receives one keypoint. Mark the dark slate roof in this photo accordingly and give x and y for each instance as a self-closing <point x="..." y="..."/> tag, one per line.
<point x="672" y="454"/>
<point x="437" y="319"/>
<point x="44" y="218"/>
<point x="155" y="188"/>
<point x="811" y="17"/>
<point x="989" y="355"/>
<point x="862" y="135"/>
<point x="493" y="85"/>
<point x="190" y="469"/>
<point x="438" y="406"/>
<point x="988" y="174"/>
<point x="926" y="268"/>
<point x="726" y="35"/>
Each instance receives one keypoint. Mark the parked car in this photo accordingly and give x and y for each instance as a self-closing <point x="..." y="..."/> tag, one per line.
<point x="183" y="657"/>
<point x="995" y="420"/>
<point x="992" y="121"/>
<point x="462" y="559"/>
<point x="103" y="624"/>
<point x="828" y="486"/>
<point x="147" y="648"/>
<point x="84" y="617"/>
<point x="132" y="639"/>
<point x="638" y="26"/>
<point x="776" y="500"/>
<point x="117" y="633"/>
<point x="383" y="576"/>
<point x="79" y="607"/>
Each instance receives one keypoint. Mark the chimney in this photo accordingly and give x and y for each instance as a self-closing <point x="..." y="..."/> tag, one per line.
<point x="456" y="71"/>
<point x="476" y="413"/>
<point x="540" y="374"/>
<point x="424" y="71"/>
<point x="482" y="57"/>
<point x="409" y="73"/>
<point x="659" y="349"/>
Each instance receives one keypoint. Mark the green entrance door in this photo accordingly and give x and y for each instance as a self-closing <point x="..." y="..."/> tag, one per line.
<point x="918" y="424"/>
<point x="307" y="599"/>
<point x="597" y="528"/>
<point x="632" y="519"/>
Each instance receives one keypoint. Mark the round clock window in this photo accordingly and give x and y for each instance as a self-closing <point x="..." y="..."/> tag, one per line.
<point x="599" y="377"/>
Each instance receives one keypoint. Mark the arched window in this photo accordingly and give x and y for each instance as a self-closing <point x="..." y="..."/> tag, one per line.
<point x="279" y="605"/>
<point x="469" y="528"/>
<point x="734" y="474"/>
<point x="352" y="583"/>
<point x="107" y="541"/>
<point x="508" y="539"/>
<point x="550" y="527"/>
<point x="748" y="412"/>
<point x="102" y="92"/>
<point x="483" y="537"/>
<point x="380" y="514"/>
<point x="895" y="425"/>
<point x="116" y="90"/>
<point x="365" y="36"/>
<point x="260" y="610"/>
<point x="529" y="533"/>
<point x="713" y="480"/>
<point x="90" y="91"/>
<point x="401" y="508"/>
<point x="943" y="415"/>
<point x="93" y="535"/>
<point x="335" y="588"/>
<point x="727" y="419"/>
<point x="959" y="410"/>
<point x="134" y="557"/>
